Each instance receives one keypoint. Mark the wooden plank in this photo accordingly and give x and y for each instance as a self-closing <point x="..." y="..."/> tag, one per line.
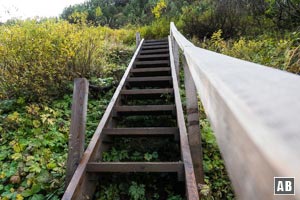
<point x="254" y="109"/>
<point x="153" y="56"/>
<point x="77" y="129"/>
<point x="156" y="81"/>
<point x="155" y="51"/>
<point x="155" y="47"/>
<point x="155" y="43"/>
<point x="159" y="84"/>
<point x="149" y="79"/>
<point x="153" y="62"/>
<point x="141" y="131"/>
<point x="77" y="189"/>
<point x="162" y="94"/>
<point x="148" y="91"/>
<point x="194" y="134"/>
<point x="154" y="69"/>
<point x="145" y="110"/>
<point x="135" y="166"/>
<point x="191" y="186"/>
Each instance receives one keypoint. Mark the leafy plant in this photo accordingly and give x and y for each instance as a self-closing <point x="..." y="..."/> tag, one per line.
<point x="137" y="192"/>
<point x="111" y="192"/>
<point x="40" y="59"/>
<point x="174" y="197"/>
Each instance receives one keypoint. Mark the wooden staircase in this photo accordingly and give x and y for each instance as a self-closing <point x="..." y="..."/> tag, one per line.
<point x="151" y="75"/>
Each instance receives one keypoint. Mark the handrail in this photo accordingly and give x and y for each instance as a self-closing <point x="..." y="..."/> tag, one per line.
<point x="255" y="113"/>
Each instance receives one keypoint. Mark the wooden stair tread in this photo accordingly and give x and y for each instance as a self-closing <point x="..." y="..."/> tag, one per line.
<point x="150" y="82"/>
<point x="155" y="51"/>
<point x="155" y="47"/>
<point x="153" y="56"/>
<point x="134" y="166"/>
<point x="154" y="69"/>
<point x="155" y="43"/>
<point x="145" y="108"/>
<point x="154" y="62"/>
<point x="147" y="91"/>
<point x="149" y="79"/>
<point x="145" y="131"/>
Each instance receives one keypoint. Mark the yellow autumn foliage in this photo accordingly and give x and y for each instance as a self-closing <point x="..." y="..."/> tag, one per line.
<point x="39" y="59"/>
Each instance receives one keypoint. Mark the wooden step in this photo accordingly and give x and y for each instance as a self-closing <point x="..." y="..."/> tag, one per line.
<point x="135" y="167"/>
<point x="150" y="72"/>
<point x="155" y="51"/>
<point x="152" y="56"/>
<point x="154" y="43"/>
<point x="154" y="69"/>
<point x="146" y="110"/>
<point x="151" y="81"/>
<point x="155" y="47"/>
<point x="149" y="131"/>
<point x="152" y="63"/>
<point x="148" y="93"/>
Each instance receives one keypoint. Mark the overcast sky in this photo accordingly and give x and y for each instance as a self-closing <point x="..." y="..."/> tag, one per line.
<point x="31" y="8"/>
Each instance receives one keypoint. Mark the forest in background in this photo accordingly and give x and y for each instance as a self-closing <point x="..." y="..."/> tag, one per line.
<point x="40" y="58"/>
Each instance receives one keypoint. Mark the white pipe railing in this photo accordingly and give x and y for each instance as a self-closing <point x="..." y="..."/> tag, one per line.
<point x="255" y="113"/>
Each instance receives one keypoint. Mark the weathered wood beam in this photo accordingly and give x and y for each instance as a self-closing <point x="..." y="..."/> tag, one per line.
<point x="135" y="166"/>
<point x="191" y="186"/>
<point x="141" y="131"/>
<point x="77" y="129"/>
<point x="254" y="112"/>
<point x="193" y="125"/>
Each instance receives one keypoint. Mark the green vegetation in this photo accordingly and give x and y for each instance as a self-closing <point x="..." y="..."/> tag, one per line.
<point x="269" y="50"/>
<point x="40" y="58"/>
<point x="34" y="139"/>
<point x="38" y="63"/>
<point x="196" y="18"/>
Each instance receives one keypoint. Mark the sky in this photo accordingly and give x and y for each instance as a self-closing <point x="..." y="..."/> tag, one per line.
<point x="31" y="8"/>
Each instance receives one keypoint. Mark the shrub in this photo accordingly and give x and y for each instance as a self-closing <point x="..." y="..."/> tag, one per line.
<point x="159" y="28"/>
<point x="39" y="59"/>
<point x="279" y="51"/>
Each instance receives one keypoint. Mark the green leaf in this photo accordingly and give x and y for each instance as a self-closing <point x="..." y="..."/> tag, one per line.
<point x="44" y="177"/>
<point x="148" y="156"/>
<point x="37" y="197"/>
<point x="35" y="188"/>
<point x="26" y="193"/>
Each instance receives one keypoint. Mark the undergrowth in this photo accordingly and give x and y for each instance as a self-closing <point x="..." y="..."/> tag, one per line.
<point x="34" y="144"/>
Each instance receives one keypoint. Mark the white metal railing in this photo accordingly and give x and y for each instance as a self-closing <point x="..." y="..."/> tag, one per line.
<point x="255" y="113"/>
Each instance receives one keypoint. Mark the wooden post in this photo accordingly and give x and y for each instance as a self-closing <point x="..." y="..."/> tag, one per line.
<point x="194" y="134"/>
<point x="137" y="39"/>
<point x="77" y="129"/>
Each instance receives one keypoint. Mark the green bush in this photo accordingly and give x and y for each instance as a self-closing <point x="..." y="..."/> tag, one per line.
<point x="274" y="50"/>
<point x="39" y="59"/>
<point x="160" y="28"/>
